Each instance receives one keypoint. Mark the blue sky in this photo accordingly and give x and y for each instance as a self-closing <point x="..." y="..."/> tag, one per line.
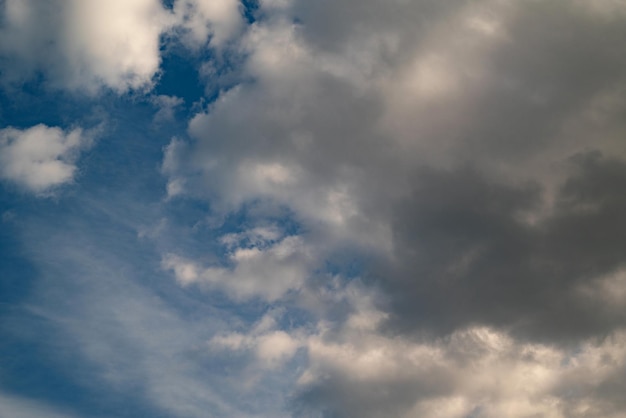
<point x="284" y="208"/>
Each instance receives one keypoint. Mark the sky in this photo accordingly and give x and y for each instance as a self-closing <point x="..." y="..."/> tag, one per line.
<point x="316" y="209"/>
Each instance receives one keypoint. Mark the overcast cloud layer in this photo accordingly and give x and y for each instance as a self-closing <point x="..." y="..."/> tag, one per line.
<point x="313" y="209"/>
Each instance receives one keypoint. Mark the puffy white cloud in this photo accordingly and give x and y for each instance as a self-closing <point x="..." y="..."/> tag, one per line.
<point x="262" y="266"/>
<point x="85" y="45"/>
<point x="41" y="157"/>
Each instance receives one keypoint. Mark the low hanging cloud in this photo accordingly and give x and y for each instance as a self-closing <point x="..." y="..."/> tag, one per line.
<point x="40" y="158"/>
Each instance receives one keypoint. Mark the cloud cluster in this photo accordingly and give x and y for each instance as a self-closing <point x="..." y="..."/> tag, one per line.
<point x="40" y="158"/>
<point x="472" y="155"/>
<point x="459" y="160"/>
<point x="354" y="370"/>
<point x="428" y="197"/>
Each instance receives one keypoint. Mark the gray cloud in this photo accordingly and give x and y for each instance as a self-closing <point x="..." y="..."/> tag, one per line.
<point x="468" y="254"/>
<point x="472" y="154"/>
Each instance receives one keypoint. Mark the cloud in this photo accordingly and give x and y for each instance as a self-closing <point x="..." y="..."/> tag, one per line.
<point x="353" y="367"/>
<point x="470" y="156"/>
<point x="203" y="21"/>
<point x="40" y="158"/>
<point x="444" y="153"/>
<point x="18" y="407"/>
<point x="85" y="46"/>
<point x="263" y="265"/>
<point x="167" y="106"/>
<point x="468" y="254"/>
<point x="414" y="208"/>
<point x="272" y="347"/>
<point x="114" y="334"/>
<point x="473" y="372"/>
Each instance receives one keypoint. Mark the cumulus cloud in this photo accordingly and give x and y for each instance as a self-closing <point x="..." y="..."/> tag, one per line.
<point x="473" y="372"/>
<point x="472" y="155"/>
<point x="83" y="45"/>
<point x="473" y="112"/>
<point x="272" y="347"/>
<point x="262" y="265"/>
<point x="428" y="199"/>
<point x="204" y="21"/>
<point x="40" y="158"/>
<point x="89" y="45"/>
<point x="353" y="368"/>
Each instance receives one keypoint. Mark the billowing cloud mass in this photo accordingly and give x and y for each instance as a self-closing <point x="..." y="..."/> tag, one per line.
<point x="40" y="158"/>
<point x="473" y="153"/>
<point x="377" y="208"/>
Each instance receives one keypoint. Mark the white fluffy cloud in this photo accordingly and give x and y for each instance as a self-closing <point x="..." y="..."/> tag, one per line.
<point x="41" y="157"/>
<point x="85" y="45"/>
<point x="264" y="265"/>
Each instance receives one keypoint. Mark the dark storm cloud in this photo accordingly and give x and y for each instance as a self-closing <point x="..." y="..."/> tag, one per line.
<point x="467" y="253"/>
